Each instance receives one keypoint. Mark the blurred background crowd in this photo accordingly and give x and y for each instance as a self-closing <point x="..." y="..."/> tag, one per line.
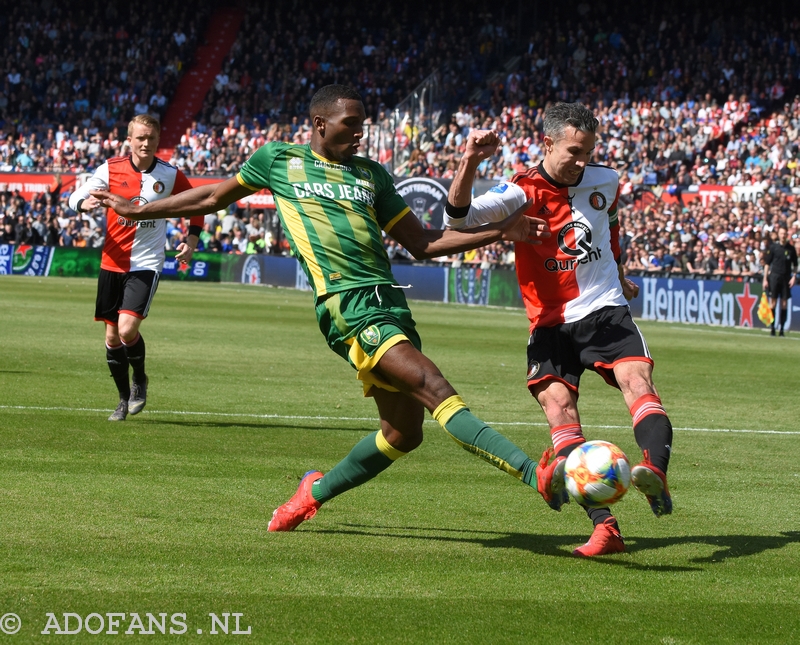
<point x="686" y="95"/>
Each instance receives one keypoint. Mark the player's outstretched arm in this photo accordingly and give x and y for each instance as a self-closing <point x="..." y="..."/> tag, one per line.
<point x="197" y="201"/>
<point x="425" y="243"/>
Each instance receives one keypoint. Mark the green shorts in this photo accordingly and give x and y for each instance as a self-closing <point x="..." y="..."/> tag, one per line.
<point x="362" y="324"/>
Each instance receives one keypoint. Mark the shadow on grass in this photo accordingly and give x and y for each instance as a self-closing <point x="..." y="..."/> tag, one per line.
<point x="262" y="425"/>
<point x="727" y="546"/>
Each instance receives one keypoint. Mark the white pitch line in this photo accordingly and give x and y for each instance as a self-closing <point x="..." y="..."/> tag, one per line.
<point x="288" y="417"/>
<point x="740" y="331"/>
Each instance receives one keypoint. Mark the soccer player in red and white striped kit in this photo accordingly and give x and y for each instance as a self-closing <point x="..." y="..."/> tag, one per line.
<point x="575" y="295"/>
<point x="133" y="254"/>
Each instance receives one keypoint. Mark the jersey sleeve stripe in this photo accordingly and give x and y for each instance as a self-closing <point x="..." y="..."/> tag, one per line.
<point x="244" y="183"/>
<point x="395" y="219"/>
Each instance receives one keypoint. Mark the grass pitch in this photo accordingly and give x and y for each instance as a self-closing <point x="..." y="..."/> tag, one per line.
<point x="166" y="513"/>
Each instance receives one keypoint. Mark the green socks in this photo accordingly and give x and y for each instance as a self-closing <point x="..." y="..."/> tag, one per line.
<point x="476" y="437"/>
<point x="373" y="454"/>
<point x="369" y="457"/>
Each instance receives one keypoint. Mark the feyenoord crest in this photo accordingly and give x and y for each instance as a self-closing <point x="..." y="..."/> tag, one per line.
<point x="597" y="200"/>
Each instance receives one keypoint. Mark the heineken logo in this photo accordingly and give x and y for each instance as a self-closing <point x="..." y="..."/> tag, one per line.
<point x="31" y="260"/>
<point x="6" y="251"/>
<point x="22" y="254"/>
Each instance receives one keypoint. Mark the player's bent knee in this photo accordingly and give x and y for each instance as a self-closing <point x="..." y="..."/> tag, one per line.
<point x="405" y="441"/>
<point x="413" y="443"/>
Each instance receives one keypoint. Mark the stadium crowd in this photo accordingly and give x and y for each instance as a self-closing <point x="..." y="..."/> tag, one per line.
<point x="685" y="98"/>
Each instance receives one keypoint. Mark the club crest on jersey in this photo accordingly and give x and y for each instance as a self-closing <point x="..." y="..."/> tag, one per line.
<point x="295" y="163"/>
<point x="158" y="187"/>
<point x="597" y="200"/>
<point x="370" y="336"/>
<point x="533" y="369"/>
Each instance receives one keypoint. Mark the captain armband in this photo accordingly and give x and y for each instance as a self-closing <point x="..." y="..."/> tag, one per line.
<point x="457" y="212"/>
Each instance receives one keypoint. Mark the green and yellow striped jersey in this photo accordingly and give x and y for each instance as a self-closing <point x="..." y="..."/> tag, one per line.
<point x="332" y="213"/>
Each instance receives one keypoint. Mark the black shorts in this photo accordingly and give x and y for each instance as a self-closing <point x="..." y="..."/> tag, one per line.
<point x="778" y="287"/>
<point x="126" y="293"/>
<point x="598" y="342"/>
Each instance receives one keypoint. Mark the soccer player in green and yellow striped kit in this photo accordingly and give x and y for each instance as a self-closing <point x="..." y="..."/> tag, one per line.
<point x="333" y="206"/>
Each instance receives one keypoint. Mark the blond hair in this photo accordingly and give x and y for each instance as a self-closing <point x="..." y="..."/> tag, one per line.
<point x="145" y="120"/>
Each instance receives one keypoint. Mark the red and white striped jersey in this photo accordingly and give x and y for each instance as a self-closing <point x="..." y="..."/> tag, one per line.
<point x="574" y="272"/>
<point x="130" y="245"/>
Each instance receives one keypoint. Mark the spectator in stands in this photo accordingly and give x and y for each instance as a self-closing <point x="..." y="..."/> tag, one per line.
<point x="737" y="126"/>
<point x="7" y="235"/>
<point x="239" y="241"/>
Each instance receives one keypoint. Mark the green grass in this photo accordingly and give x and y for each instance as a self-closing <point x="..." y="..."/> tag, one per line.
<point x="167" y="512"/>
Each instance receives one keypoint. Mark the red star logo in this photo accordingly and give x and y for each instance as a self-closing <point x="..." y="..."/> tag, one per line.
<point x="22" y="249"/>
<point x="746" y="302"/>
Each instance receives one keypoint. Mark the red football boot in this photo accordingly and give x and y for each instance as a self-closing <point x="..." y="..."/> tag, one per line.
<point x="301" y="507"/>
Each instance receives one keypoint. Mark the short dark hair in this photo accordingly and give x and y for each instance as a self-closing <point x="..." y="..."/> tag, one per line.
<point x="558" y="116"/>
<point x="326" y="97"/>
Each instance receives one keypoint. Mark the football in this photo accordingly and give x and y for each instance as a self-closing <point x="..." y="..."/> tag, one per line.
<point x="597" y="474"/>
